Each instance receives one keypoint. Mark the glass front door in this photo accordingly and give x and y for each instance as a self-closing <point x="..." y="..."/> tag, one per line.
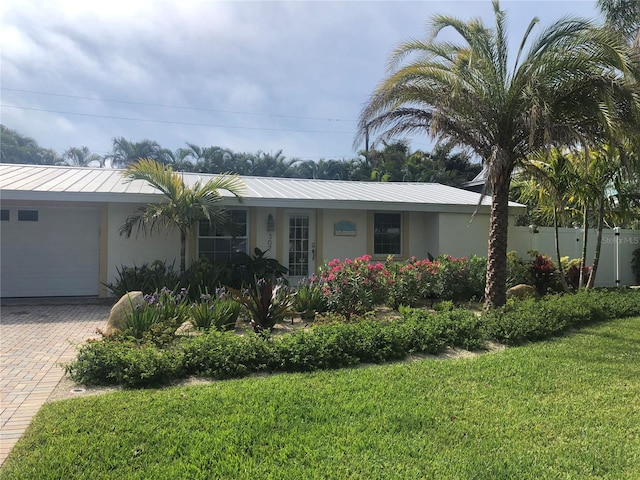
<point x="301" y="245"/>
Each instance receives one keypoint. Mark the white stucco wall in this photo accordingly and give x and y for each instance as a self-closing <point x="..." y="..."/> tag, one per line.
<point x="423" y="234"/>
<point x="264" y="239"/>
<point x="337" y="246"/>
<point x="461" y="237"/>
<point x="141" y="249"/>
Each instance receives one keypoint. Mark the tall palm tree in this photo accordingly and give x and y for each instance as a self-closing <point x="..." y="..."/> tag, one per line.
<point x="183" y="206"/>
<point x="473" y="94"/>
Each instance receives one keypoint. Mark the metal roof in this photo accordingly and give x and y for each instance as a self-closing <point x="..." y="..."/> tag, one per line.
<point x="61" y="183"/>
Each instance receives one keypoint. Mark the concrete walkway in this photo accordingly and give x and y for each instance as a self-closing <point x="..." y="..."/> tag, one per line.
<point x="34" y="337"/>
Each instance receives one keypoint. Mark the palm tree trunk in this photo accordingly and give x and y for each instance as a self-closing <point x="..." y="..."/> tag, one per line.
<point x="596" y="257"/>
<point x="583" y="258"/>
<point x="495" y="292"/>
<point x="563" y="279"/>
<point x="183" y="251"/>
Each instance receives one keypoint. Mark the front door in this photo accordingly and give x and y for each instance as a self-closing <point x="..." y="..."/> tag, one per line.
<point x="301" y="254"/>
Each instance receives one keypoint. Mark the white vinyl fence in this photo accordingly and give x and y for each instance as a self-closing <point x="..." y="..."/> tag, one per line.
<point x="612" y="266"/>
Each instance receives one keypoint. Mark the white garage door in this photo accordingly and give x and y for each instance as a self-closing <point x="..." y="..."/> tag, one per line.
<point x="49" y="251"/>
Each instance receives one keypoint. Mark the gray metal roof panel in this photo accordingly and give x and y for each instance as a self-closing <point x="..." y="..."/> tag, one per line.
<point x="23" y="180"/>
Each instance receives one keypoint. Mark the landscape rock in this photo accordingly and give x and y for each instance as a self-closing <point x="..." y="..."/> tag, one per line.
<point x="119" y="312"/>
<point x="522" y="291"/>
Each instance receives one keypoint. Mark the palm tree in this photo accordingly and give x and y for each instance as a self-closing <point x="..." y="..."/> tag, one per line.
<point x="82" y="157"/>
<point x="624" y="16"/>
<point x="475" y="96"/>
<point x="548" y="179"/>
<point x="125" y="152"/>
<point x="183" y="206"/>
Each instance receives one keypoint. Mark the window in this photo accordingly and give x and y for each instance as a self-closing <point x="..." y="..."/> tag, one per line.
<point x="4" y="215"/>
<point x="219" y="243"/>
<point x="387" y="228"/>
<point x="27" y="215"/>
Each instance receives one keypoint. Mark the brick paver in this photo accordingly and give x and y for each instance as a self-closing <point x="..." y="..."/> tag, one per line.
<point x="33" y="339"/>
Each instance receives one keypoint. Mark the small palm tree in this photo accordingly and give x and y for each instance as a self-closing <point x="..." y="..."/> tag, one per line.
<point x="561" y="88"/>
<point x="183" y="206"/>
<point x="548" y="179"/>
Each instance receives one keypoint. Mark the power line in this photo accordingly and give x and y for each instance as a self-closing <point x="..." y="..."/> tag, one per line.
<point x="180" y="107"/>
<point x="169" y="122"/>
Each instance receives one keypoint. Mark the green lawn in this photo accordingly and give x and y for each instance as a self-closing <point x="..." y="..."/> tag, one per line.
<point x="566" y="408"/>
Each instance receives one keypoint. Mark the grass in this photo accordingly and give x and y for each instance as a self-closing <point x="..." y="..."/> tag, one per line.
<point x="565" y="408"/>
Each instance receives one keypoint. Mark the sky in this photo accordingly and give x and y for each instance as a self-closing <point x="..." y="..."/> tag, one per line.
<point x="248" y="76"/>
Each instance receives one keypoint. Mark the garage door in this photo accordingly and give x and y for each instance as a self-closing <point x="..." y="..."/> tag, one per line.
<point x="49" y="251"/>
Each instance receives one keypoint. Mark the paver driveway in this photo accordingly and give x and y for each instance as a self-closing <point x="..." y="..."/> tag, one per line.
<point x="33" y="339"/>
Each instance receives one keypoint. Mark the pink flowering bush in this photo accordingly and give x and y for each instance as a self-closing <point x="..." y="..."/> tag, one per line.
<point x="462" y="278"/>
<point x="356" y="286"/>
<point x="412" y="281"/>
<point x="352" y="287"/>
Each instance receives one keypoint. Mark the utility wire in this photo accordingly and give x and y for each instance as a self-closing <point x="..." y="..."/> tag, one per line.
<point x="181" y="107"/>
<point x="169" y="122"/>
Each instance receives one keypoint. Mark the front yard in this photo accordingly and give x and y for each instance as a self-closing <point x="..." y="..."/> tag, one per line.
<point x="562" y="408"/>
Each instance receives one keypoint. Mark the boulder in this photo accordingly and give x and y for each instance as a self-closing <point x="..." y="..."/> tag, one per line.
<point x="522" y="291"/>
<point x="118" y="315"/>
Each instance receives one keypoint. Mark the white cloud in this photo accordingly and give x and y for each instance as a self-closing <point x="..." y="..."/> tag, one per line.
<point x="284" y="59"/>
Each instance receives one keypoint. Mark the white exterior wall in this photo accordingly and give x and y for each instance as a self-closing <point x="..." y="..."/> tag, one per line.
<point x="265" y="240"/>
<point x="141" y="249"/>
<point x="337" y="246"/>
<point x="423" y="234"/>
<point x="461" y="237"/>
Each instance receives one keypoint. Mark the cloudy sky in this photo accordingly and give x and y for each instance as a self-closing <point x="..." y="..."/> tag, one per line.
<point x="243" y="75"/>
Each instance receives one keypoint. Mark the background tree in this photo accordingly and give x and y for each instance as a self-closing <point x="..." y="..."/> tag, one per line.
<point x="472" y="94"/>
<point x="82" y="157"/>
<point x="17" y="148"/>
<point x="125" y="152"/>
<point x="182" y="206"/>
<point x="624" y="16"/>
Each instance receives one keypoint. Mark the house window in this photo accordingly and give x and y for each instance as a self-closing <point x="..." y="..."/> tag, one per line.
<point x="27" y="215"/>
<point x="4" y="215"/>
<point x="387" y="229"/>
<point x="219" y="243"/>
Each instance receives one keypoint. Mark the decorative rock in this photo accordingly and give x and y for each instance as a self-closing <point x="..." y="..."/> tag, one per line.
<point x="119" y="312"/>
<point x="522" y="291"/>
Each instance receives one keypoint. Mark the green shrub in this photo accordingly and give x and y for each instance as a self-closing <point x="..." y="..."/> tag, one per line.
<point x="147" y="278"/>
<point x="217" y="311"/>
<point x="120" y="360"/>
<point x="226" y="355"/>
<point x="124" y="362"/>
<point x="528" y="320"/>
<point x="309" y="298"/>
<point x="161" y="307"/>
<point x="518" y="271"/>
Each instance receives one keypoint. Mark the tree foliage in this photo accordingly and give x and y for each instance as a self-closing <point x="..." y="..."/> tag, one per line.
<point x="182" y="207"/>
<point x="569" y="83"/>
<point x="17" y="148"/>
